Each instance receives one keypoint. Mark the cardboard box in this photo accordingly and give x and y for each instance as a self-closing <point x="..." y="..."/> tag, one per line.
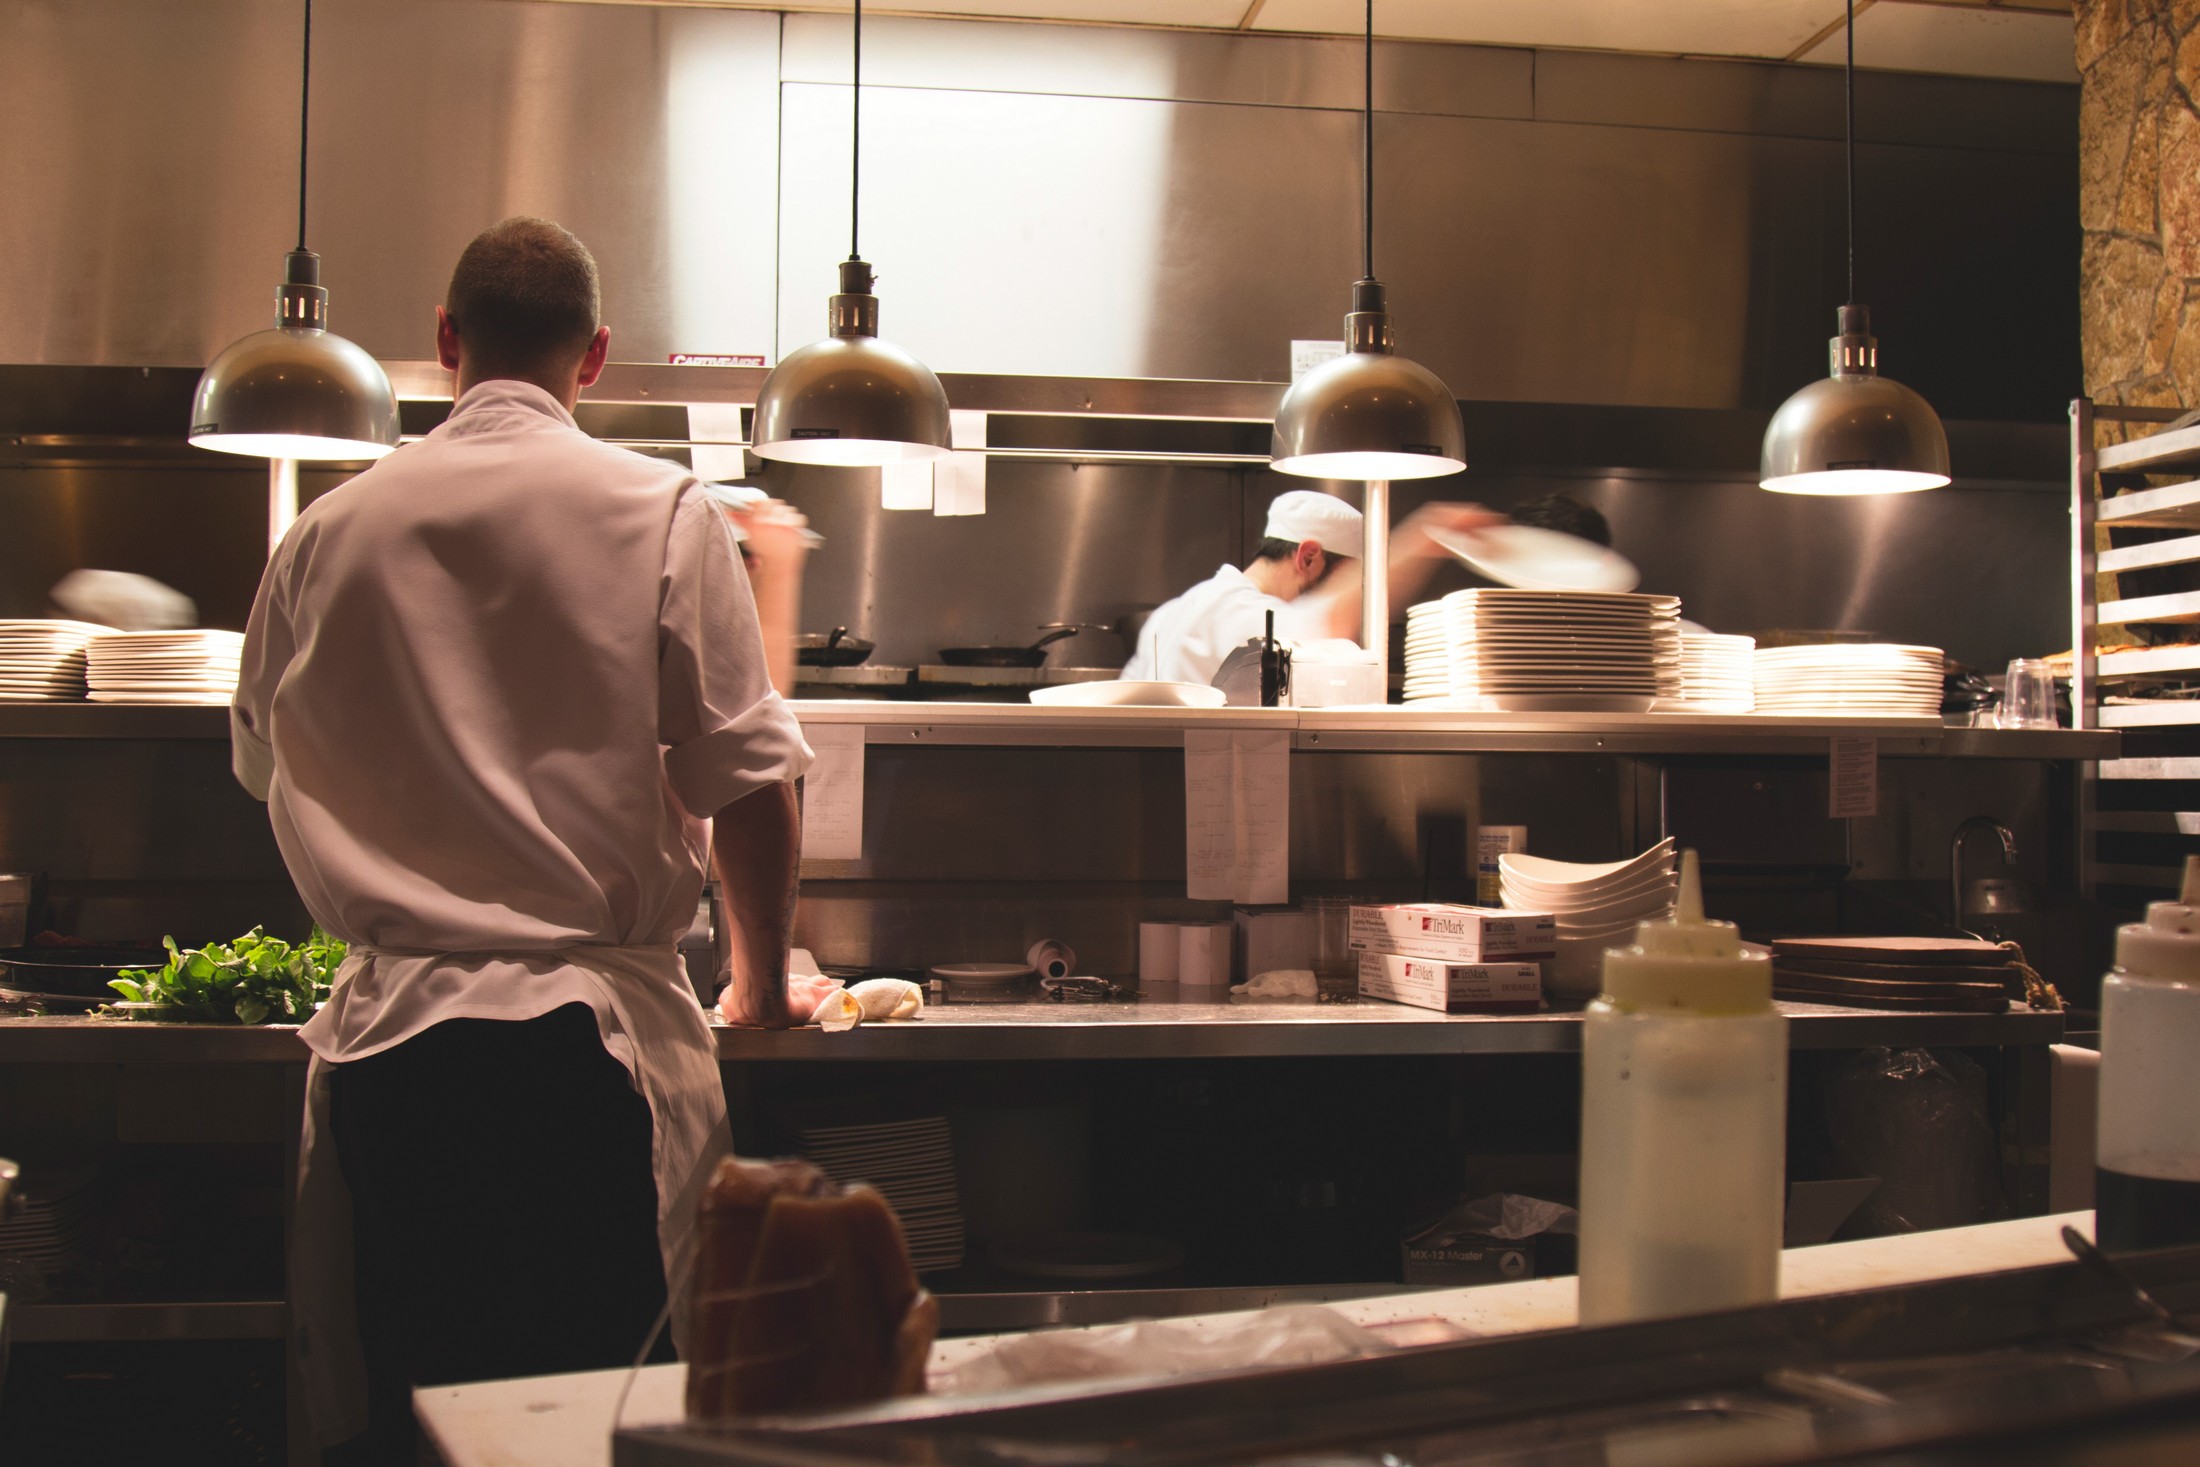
<point x="1268" y="940"/>
<point x="1454" y="934"/>
<point x="1452" y="988"/>
<point x="1490" y="842"/>
<point x="1467" y="1258"/>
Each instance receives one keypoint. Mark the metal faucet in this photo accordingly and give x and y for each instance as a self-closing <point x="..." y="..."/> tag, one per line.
<point x="1955" y="861"/>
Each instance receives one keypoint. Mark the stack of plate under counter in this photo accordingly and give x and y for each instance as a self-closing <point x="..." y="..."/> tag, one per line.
<point x="1457" y="960"/>
<point x="912" y="1164"/>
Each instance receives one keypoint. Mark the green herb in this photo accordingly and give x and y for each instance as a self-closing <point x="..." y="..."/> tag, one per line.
<point x="253" y="980"/>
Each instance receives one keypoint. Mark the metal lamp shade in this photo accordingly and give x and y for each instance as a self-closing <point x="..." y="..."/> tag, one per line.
<point x="850" y="401"/>
<point x="1854" y="434"/>
<point x="295" y="392"/>
<point x="1369" y="415"/>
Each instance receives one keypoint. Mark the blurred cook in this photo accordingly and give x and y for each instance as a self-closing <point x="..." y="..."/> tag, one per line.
<point x="775" y="541"/>
<point x="1306" y="571"/>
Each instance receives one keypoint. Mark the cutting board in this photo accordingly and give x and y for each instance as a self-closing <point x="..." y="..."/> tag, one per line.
<point x="1906" y="951"/>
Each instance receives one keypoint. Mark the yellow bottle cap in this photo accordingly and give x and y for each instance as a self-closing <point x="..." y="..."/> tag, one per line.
<point x="1688" y="963"/>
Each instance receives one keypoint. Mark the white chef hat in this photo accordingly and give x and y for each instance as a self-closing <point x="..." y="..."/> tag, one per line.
<point x="1305" y="514"/>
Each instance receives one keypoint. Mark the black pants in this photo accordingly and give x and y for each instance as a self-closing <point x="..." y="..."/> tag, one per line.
<point x="504" y="1212"/>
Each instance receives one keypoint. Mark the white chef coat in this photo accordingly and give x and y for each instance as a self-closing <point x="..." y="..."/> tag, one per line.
<point x="491" y="690"/>
<point x="1186" y="640"/>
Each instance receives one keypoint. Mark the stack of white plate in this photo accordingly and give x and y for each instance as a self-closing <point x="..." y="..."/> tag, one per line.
<point x="43" y="661"/>
<point x="50" y="1231"/>
<point x="912" y="1164"/>
<point x="1544" y="651"/>
<point x="1596" y="906"/>
<point x="1877" y="679"/>
<point x="1718" y="674"/>
<point x="164" y="667"/>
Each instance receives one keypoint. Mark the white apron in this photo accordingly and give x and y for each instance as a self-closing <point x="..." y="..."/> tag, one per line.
<point x="650" y="1023"/>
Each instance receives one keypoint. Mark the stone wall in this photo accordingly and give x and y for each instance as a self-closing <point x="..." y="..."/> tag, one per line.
<point x="2139" y="200"/>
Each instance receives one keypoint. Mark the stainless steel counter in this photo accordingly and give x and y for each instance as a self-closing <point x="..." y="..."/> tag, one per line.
<point x="1049" y="1031"/>
<point x="1394" y="729"/>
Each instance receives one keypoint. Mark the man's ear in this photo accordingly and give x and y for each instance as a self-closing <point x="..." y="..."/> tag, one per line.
<point x="592" y="360"/>
<point x="1310" y="554"/>
<point x="446" y="340"/>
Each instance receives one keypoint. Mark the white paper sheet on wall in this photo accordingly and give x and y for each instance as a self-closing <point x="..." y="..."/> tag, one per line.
<point x="832" y="793"/>
<point x="1852" y="783"/>
<point x="1237" y="817"/>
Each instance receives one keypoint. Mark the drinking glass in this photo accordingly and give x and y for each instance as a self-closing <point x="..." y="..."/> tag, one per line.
<point x="2028" y="695"/>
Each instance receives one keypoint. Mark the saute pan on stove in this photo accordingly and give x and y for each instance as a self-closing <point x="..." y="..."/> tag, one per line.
<point x="1034" y="655"/>
<point x="832" y="649"/>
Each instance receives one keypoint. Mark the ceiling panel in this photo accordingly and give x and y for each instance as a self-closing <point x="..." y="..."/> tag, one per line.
<point x="1961" y="41"/>
<point x="1772" y="28"/>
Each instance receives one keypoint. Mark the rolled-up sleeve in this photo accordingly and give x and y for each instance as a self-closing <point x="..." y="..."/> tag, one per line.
<point x="725" y="732"/>
<point x="269" y="645"/>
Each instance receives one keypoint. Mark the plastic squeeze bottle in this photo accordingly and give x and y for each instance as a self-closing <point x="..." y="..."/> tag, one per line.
<point x="2147" y="1182"/>
<point x="1683" y="1123"/>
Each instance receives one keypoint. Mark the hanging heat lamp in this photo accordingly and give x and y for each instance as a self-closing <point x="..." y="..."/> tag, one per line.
<point x="851" y="400"/>
<point x="296" y="390"/>
<point x="1369" y="414"/>
<point x="1854" y="432"/>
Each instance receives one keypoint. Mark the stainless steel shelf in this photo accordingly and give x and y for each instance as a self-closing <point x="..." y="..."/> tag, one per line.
<point x="1161" y="1030"/>
<point x="227" y="1319"/>
<point x="1154" y="1029"/>
<point x="900" y="722"/>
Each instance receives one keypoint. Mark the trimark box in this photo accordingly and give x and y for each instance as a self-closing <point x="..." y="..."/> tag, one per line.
<point x="1452" y="988"/>
<point x="1454" y="934"/>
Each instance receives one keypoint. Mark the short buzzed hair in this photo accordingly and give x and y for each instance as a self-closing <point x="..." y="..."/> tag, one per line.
<point x="524" y="298"/>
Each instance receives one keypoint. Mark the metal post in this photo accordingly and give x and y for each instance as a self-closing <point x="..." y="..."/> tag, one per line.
<point x="282" y="500"/>
<point x="2085" y="633"/>
<point x="1375" y="579"/>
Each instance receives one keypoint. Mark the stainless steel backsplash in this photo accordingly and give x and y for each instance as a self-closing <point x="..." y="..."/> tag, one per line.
<point x="1555" y="226"/>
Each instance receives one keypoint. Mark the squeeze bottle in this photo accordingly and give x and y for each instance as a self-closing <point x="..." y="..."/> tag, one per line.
<point x="2147" y="1150"/>
<point x="1683" y="1123"/>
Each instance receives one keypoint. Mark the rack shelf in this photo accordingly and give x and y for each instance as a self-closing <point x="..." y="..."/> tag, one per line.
<point x="2154" y="454"/>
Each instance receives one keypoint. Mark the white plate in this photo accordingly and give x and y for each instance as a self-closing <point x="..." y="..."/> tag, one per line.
<point x="1129" y="694"/>
<point x="208" y="700"/>
<point x="1540" y="560"/>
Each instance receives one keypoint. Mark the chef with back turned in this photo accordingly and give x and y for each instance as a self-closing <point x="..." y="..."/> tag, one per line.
<point x="1305" y="571"/>
<point x="492" y="689"/>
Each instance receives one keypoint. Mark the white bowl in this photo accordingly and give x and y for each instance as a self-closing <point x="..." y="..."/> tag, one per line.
<point x="1542" y="872"/>
<point x="1121" y="694"/>
<point x="1592" y="911"/>
<point x="1589" y="894"/>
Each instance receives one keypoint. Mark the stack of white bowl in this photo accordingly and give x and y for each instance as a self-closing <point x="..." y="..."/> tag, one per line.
<point x="1596" y="906"/>
<point x="1717" y="674"/>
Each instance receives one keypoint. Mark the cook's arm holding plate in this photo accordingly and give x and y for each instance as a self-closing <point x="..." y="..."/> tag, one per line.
<point x="732" y="747"/>
<point x="1414" y="558"/>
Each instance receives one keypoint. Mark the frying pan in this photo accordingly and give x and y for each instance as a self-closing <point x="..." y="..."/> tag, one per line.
<point x="1034" y="655"/>
<point x="832" y="649"/>
<point x="78" y="973"/>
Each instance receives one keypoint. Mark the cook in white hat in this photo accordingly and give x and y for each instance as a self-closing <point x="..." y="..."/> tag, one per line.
<point x="1305" y="571"/>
